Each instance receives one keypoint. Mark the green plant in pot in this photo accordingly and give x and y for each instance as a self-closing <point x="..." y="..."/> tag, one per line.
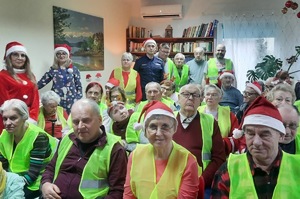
<point x="270" y="66"/>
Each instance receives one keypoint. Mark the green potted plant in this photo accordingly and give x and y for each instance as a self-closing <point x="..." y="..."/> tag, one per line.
<point x="270" y="66"/>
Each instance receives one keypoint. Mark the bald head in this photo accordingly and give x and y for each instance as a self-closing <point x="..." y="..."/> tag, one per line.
<point x="220" y="51"/>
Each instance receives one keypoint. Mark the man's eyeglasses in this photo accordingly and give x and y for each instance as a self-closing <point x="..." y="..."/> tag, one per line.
<point x="17" y="55"/>
<point x="188" y="95"/>
<point x="248" y="94"/>
<point x="291" y="126"/>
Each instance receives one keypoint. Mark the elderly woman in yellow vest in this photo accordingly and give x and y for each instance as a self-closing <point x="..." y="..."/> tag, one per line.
<point x="161" y="169"/>
<point x="123" y="121"/>
<point x="226" y="119"/>
<point x="179" y="71"/>
<point x="25" y="149"/>
<point x="52" y="117"/>
<point x="129" y="79"/>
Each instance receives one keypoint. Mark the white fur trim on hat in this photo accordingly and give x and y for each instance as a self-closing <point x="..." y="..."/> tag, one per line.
<point x="159" y="112"/>
<point x="254" y="87"/>
<point x="16" y="48"/>
<point x="264" y="120"/>
<point x="149" y="41"/>
<point x="62" y="49"/>
<point x="226" y="74"/>
<point x="110" y="85"/>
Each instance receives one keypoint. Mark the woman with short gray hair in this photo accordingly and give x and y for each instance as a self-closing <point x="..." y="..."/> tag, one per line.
<point x="25" y="149"/>
<point x="52" y="117"/>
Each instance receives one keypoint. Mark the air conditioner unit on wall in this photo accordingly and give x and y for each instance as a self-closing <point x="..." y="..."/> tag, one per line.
<point x="162" y="11"/>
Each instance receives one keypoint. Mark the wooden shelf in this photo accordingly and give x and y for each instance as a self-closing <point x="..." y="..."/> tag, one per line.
<point x="172" y="40"/>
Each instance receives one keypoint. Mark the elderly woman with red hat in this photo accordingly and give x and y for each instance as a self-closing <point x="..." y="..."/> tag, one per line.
<point x="65" y="77"/>
<point x="162" y="168"/>
<point x="17" y="80"/>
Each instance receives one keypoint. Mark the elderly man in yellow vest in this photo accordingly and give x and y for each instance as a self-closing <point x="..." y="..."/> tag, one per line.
<point x="216" y="66"/>
<point x="199" y="133"/>
<point x="89" y="163"/>
<point x="179" y="72"/>
<point x="265" y="171"/>
<point x="154" y="92"/>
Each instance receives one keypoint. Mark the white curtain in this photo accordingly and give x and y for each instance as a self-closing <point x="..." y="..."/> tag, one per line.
<point x="250" y="36"/>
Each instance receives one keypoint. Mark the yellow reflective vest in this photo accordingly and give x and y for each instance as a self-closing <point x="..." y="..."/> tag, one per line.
<point x="130" y="87"/>
<point x="92" y="184"/>
<point x="60" y="114"/>
<point x="223" y="119"/>
<point x="212" y="69"/>
<point x="19" y="158"/>
<point x="241" y="179"/>
<point x="180" y="80"/>
<point x="143" y="184"/>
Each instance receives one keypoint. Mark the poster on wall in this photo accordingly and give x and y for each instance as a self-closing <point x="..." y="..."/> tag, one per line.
<point x="84" y="33"/>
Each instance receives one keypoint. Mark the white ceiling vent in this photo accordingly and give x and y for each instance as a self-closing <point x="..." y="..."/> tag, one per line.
<point x="162" y="11"/>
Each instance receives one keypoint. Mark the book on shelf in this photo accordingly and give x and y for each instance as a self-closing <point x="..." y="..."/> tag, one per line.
<point x="136" y="32"/>
<point x="202" y="30"/>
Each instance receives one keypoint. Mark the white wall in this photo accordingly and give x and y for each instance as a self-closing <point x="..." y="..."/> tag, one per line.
<point x="31" y="23"/>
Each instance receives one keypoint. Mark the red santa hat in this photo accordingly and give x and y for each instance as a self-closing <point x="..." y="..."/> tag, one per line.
<point x="154" y="108"/>
<point x="256" y="87"/>
<point x="62" y="47"/>
<point x="261" y="112"/>
<point x="227" y="74"/>
<point x="113" y="105"/>
<point x="112" y="82"/>
<point x="12" y="47"/>
<point x="149" y="41"/>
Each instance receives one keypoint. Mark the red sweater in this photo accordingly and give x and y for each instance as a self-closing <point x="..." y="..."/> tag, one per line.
<point x="138" y="89"/>
<point x="191" y="139"/>
<point x="23" y="90"/>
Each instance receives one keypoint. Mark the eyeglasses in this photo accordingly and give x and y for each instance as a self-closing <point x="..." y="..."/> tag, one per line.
<point x="166" y="89"/>
<point x="213" y="95"/>
<point x="18" y="55"/>
<point x="152" y="128"/>
<point x="188" y="95"/>
<point x="248" y="94"/>
<point x="61" y="54"/>
<point x="165" y="52"/>
<point x="291" y="126"/>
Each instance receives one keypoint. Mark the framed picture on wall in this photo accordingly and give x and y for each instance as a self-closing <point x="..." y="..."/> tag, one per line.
<point x="84" y="33"/>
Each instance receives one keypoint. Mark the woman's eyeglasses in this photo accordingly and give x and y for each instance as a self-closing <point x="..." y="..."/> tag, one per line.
<point x="248" y="94"/>
<point x="18" y="55"/>
<point x="61" y="54"/>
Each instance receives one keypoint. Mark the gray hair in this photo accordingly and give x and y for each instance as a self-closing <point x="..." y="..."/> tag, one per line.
<point x="17" y="105"/>
<point x="191" y="85"/>
<point x="179" y="54"/>
<point x="157" y="85"/>
<point x="213" y="86"/>
<point x="127" y="55"/>
<point x="199" y="49"/>
<point x="48" y="96"/>
<point x="281" y="87"/>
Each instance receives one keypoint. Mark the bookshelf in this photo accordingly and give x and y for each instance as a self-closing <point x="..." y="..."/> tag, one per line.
<point x="203" y="35"/>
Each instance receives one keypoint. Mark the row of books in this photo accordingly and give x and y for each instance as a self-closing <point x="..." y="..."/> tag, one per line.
<point x="136" y="32"/>
<point x="176" y="47"/>
<point x="203" y="30"/>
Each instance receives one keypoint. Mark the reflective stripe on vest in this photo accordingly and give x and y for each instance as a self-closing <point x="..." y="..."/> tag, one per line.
<point x="207" y="126"/>
<point x="180" y="80"/>
<point x="212" y="69"/>
<point x="241" y="179"/>
<point x="131" y="84"/>
<point x="60" y="115"/>
<point x="143" y="184"/>
<point x="92" y="184"/>
<point x="19" y="159"/>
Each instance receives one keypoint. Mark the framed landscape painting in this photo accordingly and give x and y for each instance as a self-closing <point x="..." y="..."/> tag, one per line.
<point x="84" y="33"/>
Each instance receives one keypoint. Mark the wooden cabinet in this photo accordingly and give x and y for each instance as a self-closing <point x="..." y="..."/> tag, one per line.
<point x="184" y="45"/>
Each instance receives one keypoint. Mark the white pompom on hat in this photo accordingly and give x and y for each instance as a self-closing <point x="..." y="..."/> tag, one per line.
<point x="13" y="47"/>
<point x="154" y="108"/>
<point x="112" y="105"/>
<point x="256" y="87"/>
<point x="261" y="112"/>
